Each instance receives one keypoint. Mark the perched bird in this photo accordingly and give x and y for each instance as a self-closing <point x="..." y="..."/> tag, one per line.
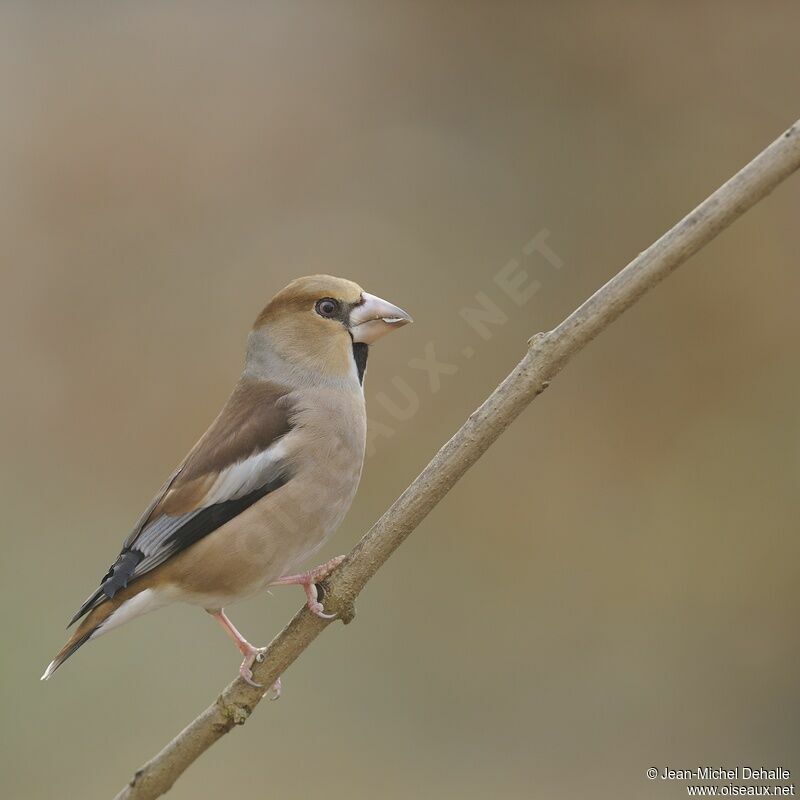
<point x="268" y="482"/>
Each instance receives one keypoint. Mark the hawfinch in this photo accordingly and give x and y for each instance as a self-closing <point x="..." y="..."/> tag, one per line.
<point x="268" y="482"/>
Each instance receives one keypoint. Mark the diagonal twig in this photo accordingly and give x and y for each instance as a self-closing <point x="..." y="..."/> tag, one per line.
<point x="547" y="354"/>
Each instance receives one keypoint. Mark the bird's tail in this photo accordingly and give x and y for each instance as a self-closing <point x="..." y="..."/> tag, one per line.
<point x="85" y="631"/>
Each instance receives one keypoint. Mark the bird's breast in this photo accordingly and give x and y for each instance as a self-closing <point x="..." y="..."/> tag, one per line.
<point x="326" y="469"/>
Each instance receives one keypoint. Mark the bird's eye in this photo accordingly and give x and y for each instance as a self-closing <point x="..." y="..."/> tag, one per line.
<point x="327" y="307"/>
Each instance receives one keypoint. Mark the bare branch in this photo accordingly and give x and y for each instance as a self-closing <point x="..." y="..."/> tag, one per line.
<point x="546" y="355"/>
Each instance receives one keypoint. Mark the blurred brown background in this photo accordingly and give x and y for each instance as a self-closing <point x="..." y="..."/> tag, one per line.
<point x="614" y="586"/>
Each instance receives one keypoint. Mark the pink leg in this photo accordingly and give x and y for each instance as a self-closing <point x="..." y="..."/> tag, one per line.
<point x="251" y="654"/>
<point x="308" y="581"/>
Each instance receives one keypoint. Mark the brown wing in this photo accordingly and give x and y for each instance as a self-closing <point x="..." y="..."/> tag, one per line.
<point x="235" y="463"/>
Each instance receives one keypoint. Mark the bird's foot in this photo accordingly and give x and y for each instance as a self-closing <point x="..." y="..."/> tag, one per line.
<point x="309" y="580"/>
<point x="251" y="655"/>
<point x="256" y="654"/>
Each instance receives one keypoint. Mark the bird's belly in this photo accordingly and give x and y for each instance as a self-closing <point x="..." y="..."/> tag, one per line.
<point x="269" y="539"/>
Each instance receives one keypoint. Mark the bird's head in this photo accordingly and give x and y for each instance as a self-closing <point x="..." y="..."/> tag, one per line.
<point x="324" y="324"/>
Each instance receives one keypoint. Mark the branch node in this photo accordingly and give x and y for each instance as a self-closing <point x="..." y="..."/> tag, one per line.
<point x="234" y="713"/>
<point x="346" y="611"/>
<point x="537" y="340"/>
<point x="343" y="602"/>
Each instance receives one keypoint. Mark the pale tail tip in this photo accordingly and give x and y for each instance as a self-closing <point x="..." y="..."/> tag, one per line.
<point x="51" y="668"/>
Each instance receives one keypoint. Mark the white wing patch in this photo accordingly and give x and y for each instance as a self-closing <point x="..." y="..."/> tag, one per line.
<point x="246" y="476"/>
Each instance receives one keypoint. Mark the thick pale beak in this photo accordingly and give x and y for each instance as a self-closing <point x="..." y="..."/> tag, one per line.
<point x="373" y="318"/>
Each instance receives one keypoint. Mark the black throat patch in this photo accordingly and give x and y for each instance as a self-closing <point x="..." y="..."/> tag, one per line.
<point x="360" y="353"/>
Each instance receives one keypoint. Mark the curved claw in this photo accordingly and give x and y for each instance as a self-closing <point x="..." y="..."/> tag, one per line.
<point x="314" y="604"/>
<point x="276" y="690"/>
<point x="244" y="670"/>
<point x="318" y="610"/>
<point x="247" y="675"/>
